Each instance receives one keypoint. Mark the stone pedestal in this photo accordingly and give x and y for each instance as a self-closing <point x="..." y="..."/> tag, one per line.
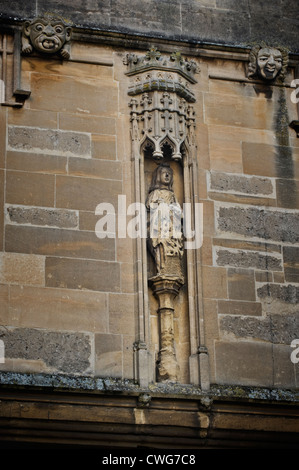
<point x="166" y="288"/>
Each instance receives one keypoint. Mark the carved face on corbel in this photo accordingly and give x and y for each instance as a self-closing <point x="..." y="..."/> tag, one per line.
<point x="47" y="35"/>
<point x="267" y="63"/>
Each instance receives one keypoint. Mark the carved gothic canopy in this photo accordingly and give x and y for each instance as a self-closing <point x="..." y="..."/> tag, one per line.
<point x="161" y="110"/>
<point x="48" y="35"/>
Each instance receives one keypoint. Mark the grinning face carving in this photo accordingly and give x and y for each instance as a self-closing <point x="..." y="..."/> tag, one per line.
<point x="47" y="35"/>
<point x="269" y="63"/>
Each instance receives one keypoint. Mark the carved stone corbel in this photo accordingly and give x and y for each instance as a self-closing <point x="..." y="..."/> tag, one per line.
<point x="268" y="64"/>
<point x="48" y="34"/>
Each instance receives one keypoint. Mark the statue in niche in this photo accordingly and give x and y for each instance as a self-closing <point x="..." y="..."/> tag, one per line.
<point x="268" y="63"/>
<point x="165" y="237"/>
<point x="48" y="34"/>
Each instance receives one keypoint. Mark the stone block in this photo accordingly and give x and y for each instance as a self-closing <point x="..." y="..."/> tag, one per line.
<point x="259" y="159"/>
<point x="284" y="293"/>
<point x="151" y="16"/>
<point x="128" y="277"/>
<point x="291" y="263"/>
<point x="287" y="193"/>
<point x="277" y="277"/>
<point x="32" y="189"/>
<point x="244" y="363"/>
<point x="108" y="355"/>
<point x="83" y="274"/>
<point x="231" y="72"/>
<point x="2" y="178"/>
<point x="247" y="245"/>
<point x="51" y="141"/>
<point x="32" y="118"/>
<point x="269" y="160"/>
<point x="284" y="371"/>
<point x="241" y="284"/>
<point x="265" y="276"/>
<point x="58" y="309"/>
<point x="86" y="193"/>
<point x="125" y="249"/>
<point x="248" y="327"/>
<point x="95" y="168"/>
<point x="122" y="313"/>
<point x="242" y="199"/>
<point x="248" y="259"/>
<point x="36" y="162"/>
<point x="41" y="216"/>
<point x="22" y="269"/>
<point x="58" y="351"/>
<point x="275" y="328"/>
<point x="56" y="93"/>
<point x="57" y="242"/>
<point x="231" y="110"/>
<point x="4" y="305"/>
<point x="207" y="251"/>
<point x="206" y="19"/>
<point x="88" y="220"/>
<point x="78" y="67"/>
<point x="91" y="124"/>
<point x="214" y="283"/>
<point x="279" y="298"/>
<point x="2" y="136"/>
<point x="236" y="307"/>
<point x="208" y="218"/>
<point x="239" y="184"/>
<point x="285" y="157"/>
<point x="104" y="147"/>
<point x="128" y="366"/>
<point x="225" y="149"/>
<point x="284" y="327"/>
<point x="258" y="222"/>
<point x="95" y="52"/>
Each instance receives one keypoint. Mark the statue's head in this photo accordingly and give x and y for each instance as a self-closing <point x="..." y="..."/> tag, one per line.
<point x="47" y="34"/>
<point x="268" y="63"/>
<point x="162" y="177"/>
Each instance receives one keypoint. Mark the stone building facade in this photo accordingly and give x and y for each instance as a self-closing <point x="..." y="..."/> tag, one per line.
<point x="135" y="337"/>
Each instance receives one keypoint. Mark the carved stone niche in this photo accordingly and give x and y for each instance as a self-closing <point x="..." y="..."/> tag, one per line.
<point x="48" y="34"/>
<point x="268" y="64"/>
<point x="165" y="177"/>
<point x="166" y="245"/>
